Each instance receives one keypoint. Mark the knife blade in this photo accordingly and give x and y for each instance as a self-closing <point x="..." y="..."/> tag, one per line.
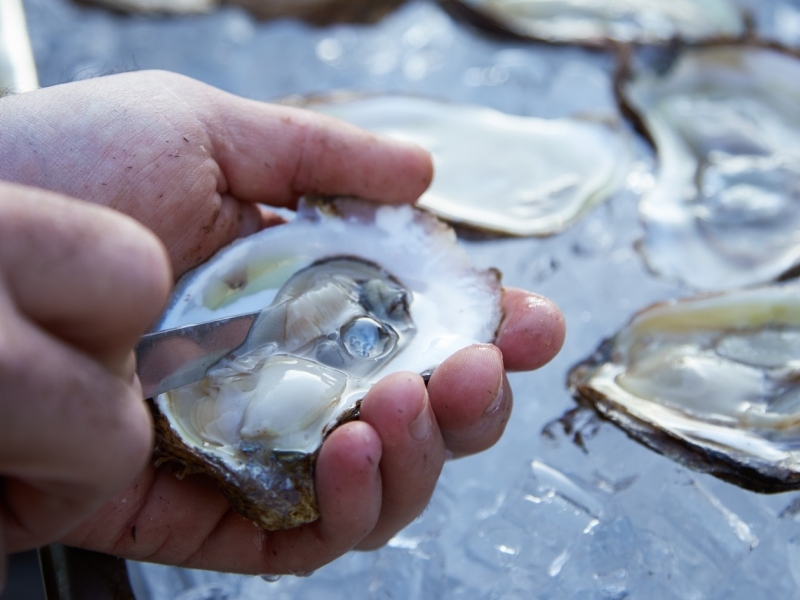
<point x="172" y="358"/>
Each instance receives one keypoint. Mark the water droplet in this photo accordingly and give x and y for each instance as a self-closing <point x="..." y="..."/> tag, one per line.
<point x="416" y="67"/>
<point x="330" y="51"/>
<point x="303" y="573"/>
<point x="487" y="76"/>
<point x="418" y="36"/>
<point x="366" y="338"/>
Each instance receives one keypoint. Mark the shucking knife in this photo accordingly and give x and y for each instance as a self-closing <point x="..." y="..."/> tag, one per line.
<point x="172" y="358"/>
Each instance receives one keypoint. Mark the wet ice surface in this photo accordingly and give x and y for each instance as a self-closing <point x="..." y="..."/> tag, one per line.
<point x="577" y="510"/>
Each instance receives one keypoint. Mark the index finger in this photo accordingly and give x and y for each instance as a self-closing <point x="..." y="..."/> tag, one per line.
<point x="274" y="154"/>
<point x="89" y="275"/>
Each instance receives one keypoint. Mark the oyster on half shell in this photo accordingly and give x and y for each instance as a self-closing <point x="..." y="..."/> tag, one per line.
<point x="725" y="210"/>
<point x="498" y="172"/>
<point x="711" y="381"/>
<point x="356" y="291"/>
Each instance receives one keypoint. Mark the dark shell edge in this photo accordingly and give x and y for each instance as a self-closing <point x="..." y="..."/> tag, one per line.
<point x="741" y="470"/>
<point x="276" y="495"/>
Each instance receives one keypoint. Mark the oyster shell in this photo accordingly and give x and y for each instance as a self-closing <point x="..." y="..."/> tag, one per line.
<point x="319" y="12"/>
<point x="499" y="172"/>
<point x="595" y="23"/>
<point x="357" y="292"/>
<point x="711" y="381"/>
<point x="725" y="210"/>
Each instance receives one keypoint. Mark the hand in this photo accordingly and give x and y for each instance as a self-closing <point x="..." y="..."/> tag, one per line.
<point x="189" y="162"/>
<point x="78" y="283"/>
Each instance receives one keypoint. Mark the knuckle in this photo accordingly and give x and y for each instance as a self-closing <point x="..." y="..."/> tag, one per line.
<point x="144" y="270"/>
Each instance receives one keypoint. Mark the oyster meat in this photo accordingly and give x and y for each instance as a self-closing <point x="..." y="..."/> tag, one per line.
<point x="498" y="172"/>
<point x="725" y="210"/>
<point x="595" y="22"/>
<point x="356" y="291"/>
<point x="711" y="381"/>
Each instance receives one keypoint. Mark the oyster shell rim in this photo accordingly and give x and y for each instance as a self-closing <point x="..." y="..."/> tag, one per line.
<point x="748" y="471"/>
<point x="184" y="458"/>
<point x="486" y="21"/>
<point x="474" y="229"/>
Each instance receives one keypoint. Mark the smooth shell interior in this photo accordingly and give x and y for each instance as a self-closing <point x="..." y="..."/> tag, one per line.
<point x="725" y="210"/>
<point x="499" y="172"/>
<point x="620" y="20"/>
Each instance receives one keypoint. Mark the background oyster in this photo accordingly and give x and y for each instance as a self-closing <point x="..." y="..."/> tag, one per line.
<point x="356" y="292"/>
<point x="601" y="21"/>
<point x="712" y="381"/>
<point x="499" y="172"/>
<point x="725" y="209"/>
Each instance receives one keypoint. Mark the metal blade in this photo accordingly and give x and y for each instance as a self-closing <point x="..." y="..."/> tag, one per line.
<point x="172" y="358"/>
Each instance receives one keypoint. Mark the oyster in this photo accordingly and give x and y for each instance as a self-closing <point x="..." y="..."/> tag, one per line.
<point x="711" y="381"/>
<point x="499" y="172"/>
<point x="725" y="210"/>
<point x="356" y="291"/>
<point x="598" y="21"/>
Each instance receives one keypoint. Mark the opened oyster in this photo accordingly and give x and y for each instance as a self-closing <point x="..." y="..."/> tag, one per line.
<point x="712" y="382"/>
<point x="725" y="210"/>
<point x="600" y="21"/>
<point x="499" y="172"/>
<point x="356" y="292"/>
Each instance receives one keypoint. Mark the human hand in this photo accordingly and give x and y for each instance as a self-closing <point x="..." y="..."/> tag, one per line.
<point x="374" y="475"/>
<point x="78" y="284"/>
<point x="191" y="162"/>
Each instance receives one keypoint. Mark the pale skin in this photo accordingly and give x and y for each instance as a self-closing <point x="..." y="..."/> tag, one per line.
<point x="80" y="282"/>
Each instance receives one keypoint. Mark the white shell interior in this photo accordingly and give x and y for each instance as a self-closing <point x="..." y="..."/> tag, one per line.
<point x="620" y="20"/>
<point x="287" y="402"/>
<point x="718" y="371"/>
<point x="725" y="210"/>
<point x="500" y="172"/>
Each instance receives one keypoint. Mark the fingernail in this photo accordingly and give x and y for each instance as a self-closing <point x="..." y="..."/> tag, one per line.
<point x="421" y="427"/>
<point x="495" y="404"/>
